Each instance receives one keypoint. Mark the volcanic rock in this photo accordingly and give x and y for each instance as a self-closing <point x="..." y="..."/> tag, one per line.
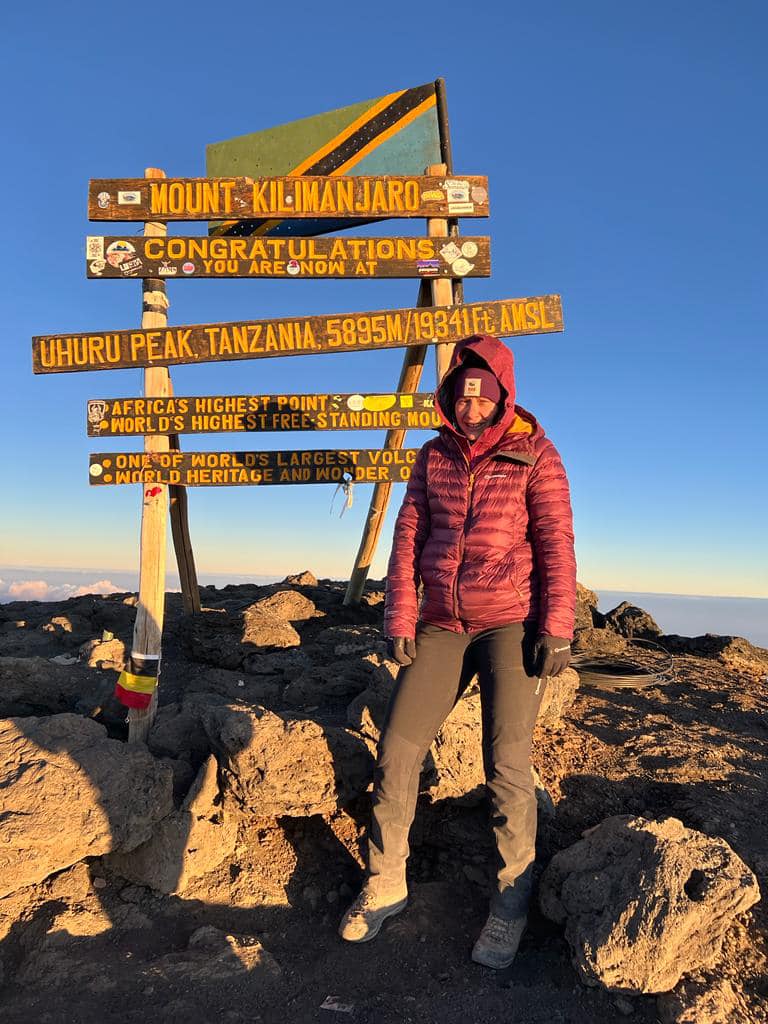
<point x="328" y="682"/>
<point x="559" y="695"/>
<point x="301" y="579"/>
<point x="71" y="623"/>
<point x="586" y="607"/>
<point x="628" y="620"/>
<point x="178" y="732"/>
<point x="697" y="1003"/>
<point x="265" y="629"/>
<point x="213" y="956"/>
<point x="732" y="651"/>
<point x="289" y="605"/>
<point x="35" y="686"/>
<point x="352" y="639"/>
<point x="68" y="792"/>
<point x="598" y="642"/>
<point x="275" y="765"/>
<point x="457" y="756"/>
<point x="105" y="654"/>
<point x="185" y="845"/>
<point x="645" y="902"/>
<point x="225" y="640"/>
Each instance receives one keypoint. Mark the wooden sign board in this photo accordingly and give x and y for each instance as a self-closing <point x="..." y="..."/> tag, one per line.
<point x="222" y="469"/>
<point x="204" y="256"/>
<point x="210" y="414"/>
<point x="295" y="197"/>
<point x="294" y="336"/>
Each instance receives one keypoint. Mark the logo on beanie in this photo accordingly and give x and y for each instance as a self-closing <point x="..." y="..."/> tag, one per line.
<point x="472" y="386"/>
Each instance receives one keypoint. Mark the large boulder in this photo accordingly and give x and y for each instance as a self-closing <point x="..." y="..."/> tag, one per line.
<point x="734" y="652"/>
<point x="339" y="679"/>
<point x="37" y="686"/>
<point x="586" y="607"/>
<point x="456" y="769"/>
<point x="289" y="605"/>
<point x="275" y="765"/>
<point x="187" y="844"/>
<point x="301" y="579"/>
<point x="266" y="630"/>
<point x="354" y="639"/>
<point x="224" y="639"/>
<point x="559" y="695"/>
<point x="288" y="663"/>
<point x="696" y="1003"/>
<point x="644" y="902"/>
<point x="599" y="643"/>
<point x="69" y="792"/>
<point x="629" y="620"/>
<point x="178" y="733"/>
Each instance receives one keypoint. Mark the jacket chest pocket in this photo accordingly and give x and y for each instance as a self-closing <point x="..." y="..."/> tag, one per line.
<point x="506" y="479"/>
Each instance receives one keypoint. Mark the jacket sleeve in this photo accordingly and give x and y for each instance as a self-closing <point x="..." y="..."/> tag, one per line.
<point x="551" y="524"/>
<point x="401" y="608"/>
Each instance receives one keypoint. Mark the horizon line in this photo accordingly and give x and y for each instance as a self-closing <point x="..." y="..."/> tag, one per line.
<point x="218" y="572"/>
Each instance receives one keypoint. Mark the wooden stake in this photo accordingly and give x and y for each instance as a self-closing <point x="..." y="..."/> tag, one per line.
<point x="442" y="288"/>
<point x="410" y="376"/>
<point x="182" y="542"/>
<point x="438" y="292"/>
<point x="148" y="628"/>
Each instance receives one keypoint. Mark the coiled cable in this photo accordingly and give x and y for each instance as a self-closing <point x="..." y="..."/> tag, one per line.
<point x="608" y="672"/>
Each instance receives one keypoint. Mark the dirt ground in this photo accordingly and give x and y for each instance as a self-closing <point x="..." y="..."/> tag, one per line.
<point x="87" y="947"/>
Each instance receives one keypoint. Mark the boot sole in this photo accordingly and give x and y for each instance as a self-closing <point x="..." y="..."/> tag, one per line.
<point x="391" y="911"/>
<point x="497" y="966"/>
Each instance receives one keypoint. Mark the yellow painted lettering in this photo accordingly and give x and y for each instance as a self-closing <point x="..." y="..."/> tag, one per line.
<point x="158" y="197"/>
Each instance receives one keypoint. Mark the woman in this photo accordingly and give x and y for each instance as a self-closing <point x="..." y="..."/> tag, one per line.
<point x="486" y="528"/>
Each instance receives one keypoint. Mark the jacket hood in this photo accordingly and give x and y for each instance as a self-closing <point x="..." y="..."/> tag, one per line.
<point x="489" y="353"/>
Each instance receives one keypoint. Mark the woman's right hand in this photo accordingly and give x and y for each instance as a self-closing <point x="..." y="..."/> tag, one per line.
<point x="402" y="649"/>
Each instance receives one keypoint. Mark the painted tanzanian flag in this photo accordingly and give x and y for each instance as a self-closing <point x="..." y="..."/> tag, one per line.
<point x="394" y="134"/>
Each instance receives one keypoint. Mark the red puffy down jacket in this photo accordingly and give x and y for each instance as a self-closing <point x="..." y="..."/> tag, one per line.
<point x="487" y="528"/>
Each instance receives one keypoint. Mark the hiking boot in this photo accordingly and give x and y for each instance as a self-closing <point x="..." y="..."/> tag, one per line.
<point x="370" y="910"/>
<point x="498" y="941"/>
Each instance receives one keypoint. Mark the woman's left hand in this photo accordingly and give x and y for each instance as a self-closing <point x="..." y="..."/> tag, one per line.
<point x="552" y="654"/>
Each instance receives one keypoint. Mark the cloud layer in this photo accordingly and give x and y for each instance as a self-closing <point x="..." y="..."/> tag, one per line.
<point x="41" y="590"/>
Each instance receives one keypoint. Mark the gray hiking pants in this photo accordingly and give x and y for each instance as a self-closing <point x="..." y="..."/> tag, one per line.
<point x="424" y="694"/>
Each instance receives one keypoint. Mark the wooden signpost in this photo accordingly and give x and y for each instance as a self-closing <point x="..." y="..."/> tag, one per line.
<point x="256" y="232"/>
<point x="237" y="469"/>
<point x="287" y="336"/>
<point x="127" y="199"/>
<point x="182" y="258"/>
<point x="210" y="414"/>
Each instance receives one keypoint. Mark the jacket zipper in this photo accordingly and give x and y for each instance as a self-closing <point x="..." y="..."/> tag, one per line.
<point x="462" y="543"/>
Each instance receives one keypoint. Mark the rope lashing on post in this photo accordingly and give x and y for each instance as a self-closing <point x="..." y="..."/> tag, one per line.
<point x="154" y="302"/>
<point x="346" y="486"/>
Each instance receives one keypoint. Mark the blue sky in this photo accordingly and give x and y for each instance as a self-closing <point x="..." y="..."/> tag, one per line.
<point x="626" y="159"/>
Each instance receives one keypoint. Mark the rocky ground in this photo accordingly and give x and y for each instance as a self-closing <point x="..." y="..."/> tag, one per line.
<point x="202" y="879"/>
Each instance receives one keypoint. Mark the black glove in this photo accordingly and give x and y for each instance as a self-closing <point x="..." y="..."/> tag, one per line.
<point x="551" y="655"/>
<point x="401" y="649"/>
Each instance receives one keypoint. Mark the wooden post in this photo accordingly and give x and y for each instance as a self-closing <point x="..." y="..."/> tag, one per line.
<point x="442" y="288"/>
<point x="148" y="628"/>
<point x="446" y="151"/>
<point x="440" y="291"/>
<point x="410" y="376"/>
<point x="182" y="543"/>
